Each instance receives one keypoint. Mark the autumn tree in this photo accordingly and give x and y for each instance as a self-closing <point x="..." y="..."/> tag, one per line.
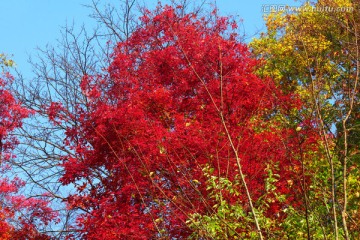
<point x="180" y="138"/>
<point x="315" y="53"/>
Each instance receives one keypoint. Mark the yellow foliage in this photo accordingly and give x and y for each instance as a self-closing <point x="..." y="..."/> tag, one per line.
<point x="4" y="61"/>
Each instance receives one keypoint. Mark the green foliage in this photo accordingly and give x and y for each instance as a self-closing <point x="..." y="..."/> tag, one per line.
<point x="227" y="220"/>
<point x="233" y="220"/>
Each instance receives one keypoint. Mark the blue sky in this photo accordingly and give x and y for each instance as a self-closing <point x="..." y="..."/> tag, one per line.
<point x="28" y="24"/>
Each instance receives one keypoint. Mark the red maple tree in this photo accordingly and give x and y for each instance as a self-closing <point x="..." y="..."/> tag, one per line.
<point x="180" y="95"/>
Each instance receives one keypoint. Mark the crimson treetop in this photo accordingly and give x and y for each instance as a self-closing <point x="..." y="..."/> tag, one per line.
<point x="180" y="95"/>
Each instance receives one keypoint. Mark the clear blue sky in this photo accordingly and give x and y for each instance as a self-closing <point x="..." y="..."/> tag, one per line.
<point x="28" y="24"/>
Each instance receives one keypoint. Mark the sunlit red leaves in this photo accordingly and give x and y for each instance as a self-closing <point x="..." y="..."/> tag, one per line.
<point x="178" y="90"/>
<point x="20" y="217"/>
<point x="11" y="115"/>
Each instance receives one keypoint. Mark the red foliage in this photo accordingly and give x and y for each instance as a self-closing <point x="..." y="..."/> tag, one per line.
<point x="19" y="216"/>
<point x="178" y="90"/>
<point x="11" y="115"/>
